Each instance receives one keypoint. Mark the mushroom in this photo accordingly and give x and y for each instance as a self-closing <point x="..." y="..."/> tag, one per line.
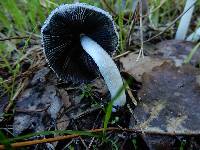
<point x="79" y="40"/>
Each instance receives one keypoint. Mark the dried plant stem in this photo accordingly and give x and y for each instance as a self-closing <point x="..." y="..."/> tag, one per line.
<point x="108" y="7"/>
<point x="128" y="38"/>
<point x="121" y="55"/>
<point x="141" y="52"/>
<point x="15" y="37"/>
<point x="33" y="142"/>
<point x="64" y="137"/>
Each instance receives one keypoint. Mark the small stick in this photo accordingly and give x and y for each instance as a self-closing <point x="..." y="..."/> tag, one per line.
<point x="64" y="137"/>
<point x="15" y="37"/>
<point x="121" y="55"/>
<point x="129" y="32"/>
<point x="86" y="147"/>
<point x="30" y="111"/>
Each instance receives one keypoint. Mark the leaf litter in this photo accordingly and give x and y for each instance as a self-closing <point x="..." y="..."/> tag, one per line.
<point x="169" y="97"/>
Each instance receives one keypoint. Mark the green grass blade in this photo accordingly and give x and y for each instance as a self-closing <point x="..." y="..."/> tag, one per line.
<point x="18" y="17"/>
<point x="4" y="140"/>
<point x="4" y="21"/>
<point x="60" y="132"/>
<point x="109" y="108"/>
<point x="193" y="51"/>
<point x="32" y="13"/>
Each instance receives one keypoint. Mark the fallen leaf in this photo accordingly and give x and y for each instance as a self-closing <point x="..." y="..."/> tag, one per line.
<point x="137" y="68"/>
<point x="99" y="86"/>
<point x="63" y="122"/>
<point x="65" y="98"/>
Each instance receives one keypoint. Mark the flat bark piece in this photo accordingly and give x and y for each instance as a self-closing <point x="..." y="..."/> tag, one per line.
<point x="170" y="100"/>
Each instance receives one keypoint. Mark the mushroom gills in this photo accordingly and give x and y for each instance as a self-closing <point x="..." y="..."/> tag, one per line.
<point x="107" y="68"/>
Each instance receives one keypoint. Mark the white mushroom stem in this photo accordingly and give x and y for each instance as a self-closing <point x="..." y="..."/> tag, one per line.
<point x="185" y="20"/>
<point x="107" y="68"/>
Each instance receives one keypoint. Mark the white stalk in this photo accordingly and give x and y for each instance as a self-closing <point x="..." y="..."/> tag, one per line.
<point x="107" y="68"/>
<point x="185" y="20"/>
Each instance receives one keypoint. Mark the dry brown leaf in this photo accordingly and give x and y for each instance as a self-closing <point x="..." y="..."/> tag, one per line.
<point x="137" y="68"/>
<point x="98" y="85"/>
<point x="65" y="98"/>
<point x="63" y="122"/>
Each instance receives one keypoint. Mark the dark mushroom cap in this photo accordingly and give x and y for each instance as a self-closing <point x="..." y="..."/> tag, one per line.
<point x="61" y="40"/>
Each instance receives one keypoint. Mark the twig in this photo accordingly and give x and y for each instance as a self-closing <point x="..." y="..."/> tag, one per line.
<point x="128" y="40"/>
<point x="86" y="147"/>
<point x="91" y="142"/>
<point x="15" y="37"/>
<point x="94" y="126"/>
<point x="68" y="144"/>
<point x="30" y="111"/>
<point x="171" y="24"/>
<point x="121" y="55"/>
<point x="82" y="114"/>
<point x="64" y="137"/>
<point x="34" y="142"/>
<point x="129" y="32"/>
